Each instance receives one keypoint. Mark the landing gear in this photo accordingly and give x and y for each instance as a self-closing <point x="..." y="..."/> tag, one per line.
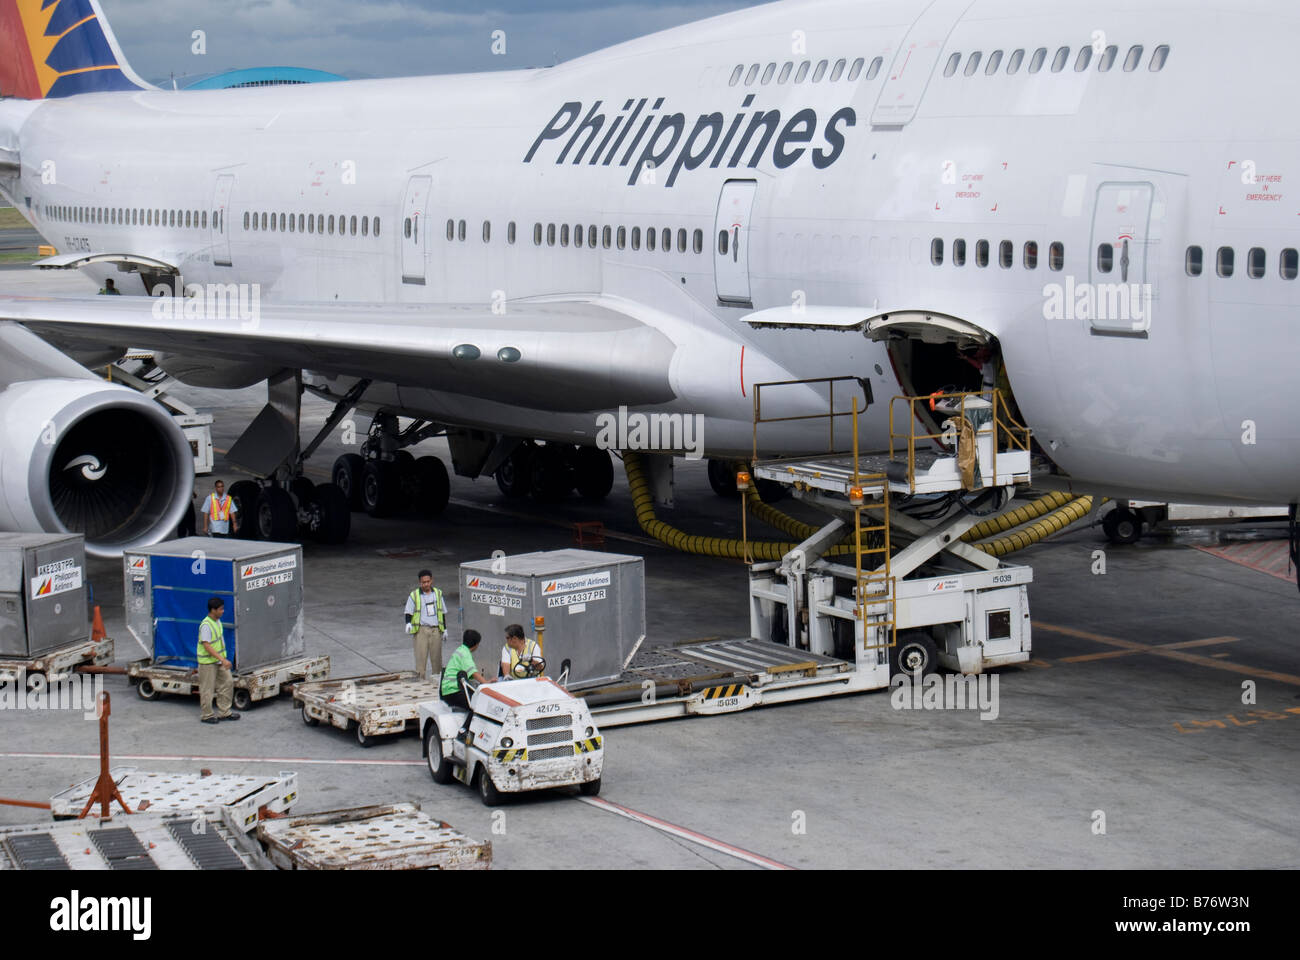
<point x="432" y="486"/>
<point x="593" y="473"/>
<point x="277" y="517"/>
<point x="381" y="488"/>
<point x="1122" y="525"/>
<point x="329" y="516"/>
<point x="246" y="494"/>
<point x="347" y="477"/>
<point x="552" y="474"/>
<point x="514" y="476"/>
<point x="722" y="478"/>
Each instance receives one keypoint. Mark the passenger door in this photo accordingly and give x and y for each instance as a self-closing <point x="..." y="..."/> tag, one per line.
<point x="219" y="225"/>
<point x="1117" y="258"/>
<point x="415" y="209"/>
<point x="732" y="233"/>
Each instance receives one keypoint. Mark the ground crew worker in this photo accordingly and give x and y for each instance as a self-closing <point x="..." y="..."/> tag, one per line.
<point x="219" y="513"/>
<point x="518" y="649"/>
<point x="462" y="660"/>
<point x="426" y="620"/>
<point x="110" y="289"/>
<point x="214" y="668"/>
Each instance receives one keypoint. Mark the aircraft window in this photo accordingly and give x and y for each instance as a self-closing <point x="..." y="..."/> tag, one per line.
<point x="1192" y="262"/>
<point x="264" y="221"/>
<point x="273" y="223"/>
<point x="196" y="218"/>
<point x="1081" y="62"/>
<point x="724" y="239"/>
<point x="311" y="224"/>
<point x="460" y="230"/>
<point x="959" y="253"/>
<point x="636" y="238"/>
<point x="735" y="74"/>
<point x="187" y="218"/>
<point x="487" y="231"/>
<point x="1006" y="254"/>
<point x="1158" y="58"/>
<point x="951" y="67"/>
<point x="564" y="234"/>
<point x="1036" y="61"/>
<point x="837" y="71"/>
<point x="577" y="235"/>
<point x="767" y="73"/>
<point x="537" y="234"/>
<point x="820" y="71"/>
<point x="1013" y="62"/>
<point x="856" y="70"/>
<point x="352" y="224"/>
<point x="173" y="214"/>
<point x="245" y="220"/>
<point x="510" y="232"/>
<point x="607" y="237"/>
<point x="1133" y="58"/>
<point x="802" y="71"/>
<point x="1289" y="263"/>
<point x="622" y="237"/>
<point x="699" y="241"/>
<point x="1056" y="256"/>
<point x="973" y="63"/>
<point x="330" y="228"/>
<point x="292" y="222"/>
<point x="1058" y="61"/>
<point x="785" y="71"/>
<point x="1107" y="58"/>
<point x="936" y="252"/>
<point x="874" y="68"/>
<point x="666" y="240"/>
<point x="591" y="236"/>
<point x="995" y="61"/>
<point x="214" y="220"/>
<point x="681" y="240"/>
<point x="1255" y="261"/>
<point x="1030" y="259"/>
<point x="1225" y="262"/>
<point x="550" y="234"/>
<point x="753" y="72"/>
<point x="651" y="238"/>
<point x="112" y="216"/>
<point x="982" y="253"/>
<point x="376" y="224"/>
<point x="365" y="225"/>
<point x="1105" y="258"/>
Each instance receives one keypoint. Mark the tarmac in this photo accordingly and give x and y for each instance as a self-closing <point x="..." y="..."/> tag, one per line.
<point x="1126" y="742"/>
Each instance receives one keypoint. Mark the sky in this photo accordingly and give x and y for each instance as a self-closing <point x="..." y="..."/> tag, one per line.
<point x="385" y="38"/>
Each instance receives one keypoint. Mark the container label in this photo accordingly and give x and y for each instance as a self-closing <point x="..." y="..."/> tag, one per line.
<point x="58" y="577"/>
<point x="263" y="567"/>
<point x="570" y="598"/>
<point x="260" y="582"/>
<point x="137" y="564"/>
<point x="495" y="599"/>
<point x="583" y="581"/>
<point x="513" y="587"/>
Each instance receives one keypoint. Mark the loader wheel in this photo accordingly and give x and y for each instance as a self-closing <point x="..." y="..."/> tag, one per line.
<point x="308" y="719"/>
<point x="914" y="653"/>
<point x="487" y="790"/>
<point x="362" y="739"/>
<point x="240" y="699"/>
<point x="590" y="789"/>
<point x="145" y="690"/>
<point x="1122" y="526"/>
<point x="440" y="768"/>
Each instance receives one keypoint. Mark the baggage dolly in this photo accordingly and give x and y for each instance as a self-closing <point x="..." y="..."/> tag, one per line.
<point x="151" y="679"/>
<point x="373" y="705"/>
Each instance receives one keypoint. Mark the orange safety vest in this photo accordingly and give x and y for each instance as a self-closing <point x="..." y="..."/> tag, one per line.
<point x="219" y="509"/>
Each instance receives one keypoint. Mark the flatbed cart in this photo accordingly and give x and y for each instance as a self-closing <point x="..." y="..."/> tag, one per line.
<point x="58" y="663"/>
<point x="152" y="679"/>
<point x="241" y="798"/>
<point x="372" y="705"/>
<point x="397" y="836"/>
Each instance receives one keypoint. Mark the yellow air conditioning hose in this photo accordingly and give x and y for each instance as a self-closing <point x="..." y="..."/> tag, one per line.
<point x="1014" y="518"/>
<point x="1055" y="522"/>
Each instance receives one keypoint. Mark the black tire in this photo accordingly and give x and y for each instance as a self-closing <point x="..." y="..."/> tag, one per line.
<point x="145" y="689"/>
<point x="277" y="517"/>
<point x="308" y="718"/>
<point x="331" y="516"/>
<point x="362" y="739"/>
<point x="552" y="474"/>
<point x="246" y="494"/>
<point x="593" y="473"/>
<point x="722" y="478"/>
<point x="240" y="699"/>
<point x="433" y="487"/>
<point x="514" y="476"/>
<point x="590" y="789"/>
<point x="440" y="768"/>
<point x="487" y="790"/>
<point x="381" y="488"/>
<point x="304" y="490"/>
<point x="347" y="477"/>
<point x="1122" y="526"/>
<point x="915" y="651"/>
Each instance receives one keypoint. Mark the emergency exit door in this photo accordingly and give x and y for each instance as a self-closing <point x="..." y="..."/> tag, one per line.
<point x="731" y="242"/>
<point x="219" y="229"/>
<point x="1118" y="258"/>
<point x="415" y="209"/>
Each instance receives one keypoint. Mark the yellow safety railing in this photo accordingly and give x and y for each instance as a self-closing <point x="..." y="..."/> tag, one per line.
<point x="1005" y="431"/>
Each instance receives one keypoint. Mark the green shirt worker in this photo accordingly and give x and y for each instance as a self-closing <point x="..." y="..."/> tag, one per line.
<point x="463" y="659"/>
<point x="426" y="621"/>
<point x="214" y="668"/>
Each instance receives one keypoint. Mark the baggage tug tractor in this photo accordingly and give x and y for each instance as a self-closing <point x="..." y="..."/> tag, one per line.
<point x="528" y="734"/>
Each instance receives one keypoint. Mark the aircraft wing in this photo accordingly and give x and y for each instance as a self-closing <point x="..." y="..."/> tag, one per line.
<point x="555" y="354"/>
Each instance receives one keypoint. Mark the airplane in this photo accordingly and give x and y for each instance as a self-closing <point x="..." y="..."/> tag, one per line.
<point x="1093" y="194"/>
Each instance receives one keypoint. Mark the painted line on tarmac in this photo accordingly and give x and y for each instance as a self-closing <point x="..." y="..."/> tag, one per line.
<point x="685" y="834"/>
<point x="1111" y="654"/>
<point x="191" y="758"/>
<point x="1165" y="651"/>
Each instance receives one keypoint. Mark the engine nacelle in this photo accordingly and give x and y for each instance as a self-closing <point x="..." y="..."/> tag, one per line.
<point x="82" y="456"/>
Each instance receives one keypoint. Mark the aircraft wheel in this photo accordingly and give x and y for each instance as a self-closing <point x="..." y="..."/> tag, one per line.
<point x="347" y="477"/>
<point x="381" y="488"/>
<point x="331" y="516"/>
<point x="277" y="517"/>
<point x="722" y="478"/>
<point x="432" y="485"/>
<point x="514" y="476"/>
<point x="246" y="494"/>
<point x="594" y="471"/>
<point x="552" y="474"/>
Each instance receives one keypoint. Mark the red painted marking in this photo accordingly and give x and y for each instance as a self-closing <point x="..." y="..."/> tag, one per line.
<point x="1230" y="163"/>
<point x="742" y="370"/>
<point x="1222" y="212"/>
<point x="500" y="696"/>
<point x="994" y="209"/>
<point x="193" y="759"/>
<point x="1270" y="557"/>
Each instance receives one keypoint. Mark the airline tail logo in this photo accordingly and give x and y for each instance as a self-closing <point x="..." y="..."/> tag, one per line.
<point x="473" y="582"/>
<point x="45" y="589"/>
<point x="57" y="48"/>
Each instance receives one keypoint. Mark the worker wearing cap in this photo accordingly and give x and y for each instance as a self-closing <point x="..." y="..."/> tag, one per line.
<point x="219" y="512"/>
<point x="462" y="661"/>
<point x="426" y="620"/>
<point x="214" y="668"/>
<point x="518" y="649"/>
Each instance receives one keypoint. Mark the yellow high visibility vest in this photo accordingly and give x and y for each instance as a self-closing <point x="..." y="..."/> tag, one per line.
<point x="530" y="651"/>
<point x="417" y="600"/>
<point x="217" y="642"/>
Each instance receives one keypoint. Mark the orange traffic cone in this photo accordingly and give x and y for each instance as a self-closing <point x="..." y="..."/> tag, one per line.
<point x="97" y="631"/>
